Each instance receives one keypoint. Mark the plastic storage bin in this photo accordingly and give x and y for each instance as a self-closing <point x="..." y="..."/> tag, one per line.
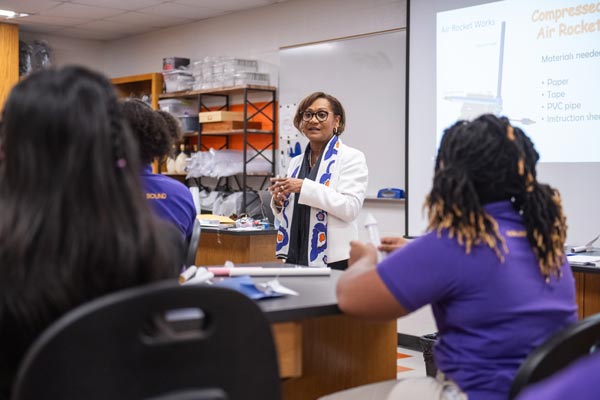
<point x="251" y="78"/>
<point x="179" y="107"/>
<point x="178" y="80"/>
<point x="189" y="123"/>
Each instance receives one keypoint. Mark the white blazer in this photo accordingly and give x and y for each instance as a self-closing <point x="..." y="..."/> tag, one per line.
<point x="342" y="199"/>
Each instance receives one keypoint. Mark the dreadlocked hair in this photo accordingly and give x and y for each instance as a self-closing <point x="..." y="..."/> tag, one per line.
<point x="541" y="209"/>
<point x="488" y="160"/>
<point x="453" y="202"/>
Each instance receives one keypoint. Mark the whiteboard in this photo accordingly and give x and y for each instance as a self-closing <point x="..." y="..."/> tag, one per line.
<point x="367" y="75"/>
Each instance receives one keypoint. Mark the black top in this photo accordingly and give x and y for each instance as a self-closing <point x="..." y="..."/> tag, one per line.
<point x="300" y="227"/>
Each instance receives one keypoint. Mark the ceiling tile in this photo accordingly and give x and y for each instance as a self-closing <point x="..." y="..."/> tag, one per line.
<point x="148" y="20"/>
<point x="181" y="11"/>
<point x="113" y="19"/>
<point x="50" y="20"/>
<point x="120" y="4"/>
<point x="28" y="6"/>
<point x="227" y="5"/>
<point x="80" y="11"/>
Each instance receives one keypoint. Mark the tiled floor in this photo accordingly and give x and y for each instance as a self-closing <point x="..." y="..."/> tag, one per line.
<point x="410" y="363"/>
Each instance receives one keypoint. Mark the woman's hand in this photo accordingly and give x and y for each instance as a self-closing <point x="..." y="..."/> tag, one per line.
<point x="360" y="250"/>
<point x="391" y="243"/>
<point x="282" y="187"/>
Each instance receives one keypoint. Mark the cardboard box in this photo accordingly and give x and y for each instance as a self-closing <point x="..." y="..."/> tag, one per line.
<point x="208" y="127"/>
<point x="219" y="116"/>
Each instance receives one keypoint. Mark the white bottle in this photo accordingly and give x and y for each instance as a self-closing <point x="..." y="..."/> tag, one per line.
<point x="171" y="161"/>
<point x="373" y="232"/>
<point x="181" y="161"/>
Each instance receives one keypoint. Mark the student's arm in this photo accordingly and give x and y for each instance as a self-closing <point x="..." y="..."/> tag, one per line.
<point x="391" y="243"/>
<point x="360" y="290"/>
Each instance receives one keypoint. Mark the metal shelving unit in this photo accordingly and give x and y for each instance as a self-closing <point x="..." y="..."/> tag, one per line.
<point x="251" y="95"/>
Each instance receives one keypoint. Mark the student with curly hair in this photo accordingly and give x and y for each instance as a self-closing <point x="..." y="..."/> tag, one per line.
<point x="492" y="266"/>
<point x="74" y="223"/>
<point x="155" y="133"/>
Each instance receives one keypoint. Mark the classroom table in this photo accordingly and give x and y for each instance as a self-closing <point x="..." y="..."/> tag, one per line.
<point x="218" y="245"/>
<point x="321" y="350"/>
<point x="587" y="284"/>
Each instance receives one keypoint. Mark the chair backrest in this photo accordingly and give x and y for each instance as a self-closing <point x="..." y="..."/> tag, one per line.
<point x="192" y="248"/>
<point x="209" y="343"/>
<point x="557" y="352"/>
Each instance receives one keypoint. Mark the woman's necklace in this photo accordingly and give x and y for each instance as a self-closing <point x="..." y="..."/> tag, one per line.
<point x="311" y="162"/>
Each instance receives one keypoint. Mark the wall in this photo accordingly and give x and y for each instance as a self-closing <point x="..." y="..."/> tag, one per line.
<point x="257" y="33"/>
<point x="90" y="53"/>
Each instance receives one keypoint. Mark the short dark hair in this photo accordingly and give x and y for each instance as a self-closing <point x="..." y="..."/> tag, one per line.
<point x="336" y="106"/>
<point x="149" y="128"/>
<point x="173" y="125"/>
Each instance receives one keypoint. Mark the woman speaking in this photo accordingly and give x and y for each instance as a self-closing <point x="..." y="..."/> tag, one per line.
<point x="318" y="201"/>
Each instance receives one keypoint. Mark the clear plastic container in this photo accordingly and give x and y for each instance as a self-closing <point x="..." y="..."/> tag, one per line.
<point x="251" y="78"/>
<point x="179" y="107"/>
<point x="178" y="80"/>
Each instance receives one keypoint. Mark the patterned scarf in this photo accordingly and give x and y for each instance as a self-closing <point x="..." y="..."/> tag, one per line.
<point x="318" y="218"/>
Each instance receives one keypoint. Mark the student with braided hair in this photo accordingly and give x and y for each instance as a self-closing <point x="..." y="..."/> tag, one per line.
<point x="492" y="266"/>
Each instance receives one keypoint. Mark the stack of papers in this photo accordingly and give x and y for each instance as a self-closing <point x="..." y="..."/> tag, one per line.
<point x="584" y="260"/>
<point x="214" y="220"/>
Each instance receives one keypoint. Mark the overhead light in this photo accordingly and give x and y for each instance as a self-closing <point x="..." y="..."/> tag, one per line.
<point x="11" y="14"/>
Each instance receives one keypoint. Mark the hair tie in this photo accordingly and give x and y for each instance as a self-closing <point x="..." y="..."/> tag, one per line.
<point x="121" y="163"/>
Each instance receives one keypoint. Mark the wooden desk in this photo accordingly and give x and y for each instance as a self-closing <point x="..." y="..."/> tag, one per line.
<point x="321" y="350"/>
<point x="587" y="284"/>
<point x="219" y="245"/>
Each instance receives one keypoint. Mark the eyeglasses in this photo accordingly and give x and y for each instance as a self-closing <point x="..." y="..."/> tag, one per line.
<point x="321" y="115"/>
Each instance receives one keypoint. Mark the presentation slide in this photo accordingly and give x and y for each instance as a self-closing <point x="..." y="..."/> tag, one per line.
<point x="536" y="62"/>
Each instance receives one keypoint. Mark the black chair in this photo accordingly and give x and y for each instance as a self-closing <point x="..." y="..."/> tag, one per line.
<point x="557" y="352"/>
<point x="192" y="248"/>
<point x="161" y="342"/>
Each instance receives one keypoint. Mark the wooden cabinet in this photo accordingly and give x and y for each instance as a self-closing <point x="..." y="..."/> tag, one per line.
<point x="217" y="246"/>
<point x="9" y="60"/>
<point x="141" y="85"/>
<point x="587" y="293"/>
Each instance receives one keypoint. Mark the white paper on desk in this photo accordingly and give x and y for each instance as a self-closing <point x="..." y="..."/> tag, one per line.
<point x="260" y="271"/>
<point x="202" y="275"/>
<point x="582" y="259"/>
<point x="277" y="287"/>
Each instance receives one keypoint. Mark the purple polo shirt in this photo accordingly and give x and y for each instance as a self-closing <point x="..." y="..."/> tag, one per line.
<point x="490" y="314"/>
<point x="577" y="382"/>
<point x="170" y="199"/>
